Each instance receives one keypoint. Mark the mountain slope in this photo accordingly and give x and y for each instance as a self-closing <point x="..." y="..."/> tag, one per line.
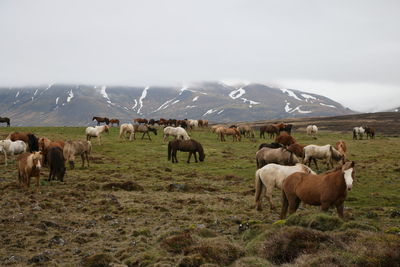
<point x="216" y="101"/>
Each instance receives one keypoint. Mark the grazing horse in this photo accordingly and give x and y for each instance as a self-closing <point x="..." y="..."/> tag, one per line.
<point x="246" y="131"/>
<point x="358" y="131"/>
<point x="193" y="123"/>
<point x="112" y="121"/>
<point x="341" y="147"/>
<point x="182" y="123"/>
<point x="285" y="139"/>
<point x="152" y="122"/>
<point x="5" y="120"/>
<point x="272" y="130"/>
<point x="230" y="131"/>
<point x="140" y="120"/>
<point x="325" y="190"/>
<point x="280" y="156"/>
<point x="200" y="123"/>
<point x="287" y="128"/>
<point x="77" y="148"/>
<point x="297" y="149"/>
<point x="29" y="165"/>
<point x="56" y="164"/>
<point x="96" y="132"/>
<point x="205" y="123"/>
<point x="370" y="132"/>
<point x="190" y="146"/>
<point x="145" y="129"/>
<point x="8" y="147"/>
<point x="178" y="132"/>
<point x="312" y="130"/>
<point x="28" y="138"/>
<point x="273" y="175"/>
<point x="45" y="144"/>
<point x="126" y="128"/>
<point x="327" y="152"/>
<point x="272" y="145"/>
<point x="101" y="119"/>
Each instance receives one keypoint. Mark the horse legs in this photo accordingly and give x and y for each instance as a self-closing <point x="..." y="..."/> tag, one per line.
<point x="325" y="206"/>
<point x="50" y="174"/>
<point x="190" y="155"/>
<point x="87" y="158"/>
<point x="268" y="194"/>
<point x="149" y="136"/>
<point x="195" y="157"/>
<point x="174" y="159"/>
<point x="315" y="162"/>
<point x="285" y="204"/>
<point x="99" y="139"/>
<point x="143" y="135"/>
<point x="294" y="203"/>
<point x="339" y="208"/>
<point x="83" y="159"/>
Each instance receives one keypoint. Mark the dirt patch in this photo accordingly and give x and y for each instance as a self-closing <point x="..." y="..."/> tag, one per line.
<point x="127" y="186"/>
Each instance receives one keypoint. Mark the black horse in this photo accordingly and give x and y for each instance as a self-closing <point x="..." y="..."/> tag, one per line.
<point x="100" y="119"/>
<point x="5" y="120"/>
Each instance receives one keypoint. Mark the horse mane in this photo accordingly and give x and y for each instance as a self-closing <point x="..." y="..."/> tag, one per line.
<point x="337" y="168"/>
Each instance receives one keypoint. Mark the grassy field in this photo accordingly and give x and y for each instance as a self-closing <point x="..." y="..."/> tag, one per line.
<point x="134" y="207"/>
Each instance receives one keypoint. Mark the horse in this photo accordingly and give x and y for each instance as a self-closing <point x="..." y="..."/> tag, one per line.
<point x="280" y="156"/>
<point x="5" y="120"/>
<point x="56" y="163"/>
<point x="312" y="130"/>
<point x="370" y="132"/>
<point x="246" y="131"/>
<point x="273" y="175"/>
<point x="126" y="128"/>
<point x="75" y="148"/>
<point x="28" y="138"/>
<point x="45" y="144"/>
<point x="193" y="123"/>
<point x="200" y="123"/>
<point x="140" y="120"/>
<point x="270" y="129"/>
<point x="230" y="131"/>
<point x="358" y="131"/>
<point x="182" y="123"/>
<point x="272" y="145"/>
<point x="287" y="128"/>
<point x="29" y="165"/>
<point x="328" y="152"/>
<point x="341" y="147"/>
<point x="325" y="190"/>
<point x="191" y="146"/>
<point x="205" y="123"/>
<point x="96" y="132"/>
<point x="285" y="139"/>
<point x="8" y="147"/>
<point x="297" y="149"/>
<point x="112" y="121"/>
<point x="145" y="129"/>
<point x="152" y="122"/>
<point x="178" y="132"/>
<point x="101" y="119"/>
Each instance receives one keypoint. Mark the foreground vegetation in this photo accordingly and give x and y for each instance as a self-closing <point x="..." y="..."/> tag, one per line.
<point x="134" y="207"/>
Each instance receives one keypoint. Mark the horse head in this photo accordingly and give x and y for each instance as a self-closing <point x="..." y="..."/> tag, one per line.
<point x="349" y="174"/>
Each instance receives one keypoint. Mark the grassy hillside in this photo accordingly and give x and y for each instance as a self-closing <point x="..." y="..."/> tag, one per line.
<point x="134" y="207"/>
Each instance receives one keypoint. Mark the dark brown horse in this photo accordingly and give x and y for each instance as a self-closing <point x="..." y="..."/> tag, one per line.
<point x="46" y="144"/>
<point x="28" y="138"/>
<point x="297" y="149"/>
<point x="270" y="129"/>
<point x="370" y="132"/>
<point x="285" y="139"/>
<point x="112" y="121"/>
<point x="190" y="146"/>
<point x="101" y="120"/>
<point x="5" y="120"/>
<point x="325" y="190"/>
<point x="56" y="164"/>
<point x="140" y="120"/>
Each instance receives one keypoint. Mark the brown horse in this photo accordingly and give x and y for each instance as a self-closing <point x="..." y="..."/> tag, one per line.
<point x="285" y="139"/>
<point x="145" y="129"/>
<point x="325" y="190"/>
<point x="5" y="120"/>
<point x="101" y="119"/>
<point x="29" y="165"/>
<point x="56" y="164"/>
<point x="341" y="147"/>
<point x="140" y="120"/>
<point x="190" y="146"/>
<point x="112" y="121"/>
<point x="281" y="156"/>
<point x="28" y="138"/>
<point x="370" y="132"/>
<point x="230" y="131"/>
<point x="270" y="129"/>
<point x="297" y="149"/>
<point x="46" y="144"/>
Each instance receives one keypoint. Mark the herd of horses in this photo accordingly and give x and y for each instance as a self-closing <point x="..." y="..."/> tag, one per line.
<point x="283" y="163"/>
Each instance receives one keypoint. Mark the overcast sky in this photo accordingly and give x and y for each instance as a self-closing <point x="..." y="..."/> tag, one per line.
<point x="346" y="50"/>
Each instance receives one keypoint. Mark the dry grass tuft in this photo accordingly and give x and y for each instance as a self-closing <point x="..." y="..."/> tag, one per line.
<point x="97" y="260"/>
<point x="127" y="186"/>
<point x="318" y="221"/>
<point x="177" y="243"/>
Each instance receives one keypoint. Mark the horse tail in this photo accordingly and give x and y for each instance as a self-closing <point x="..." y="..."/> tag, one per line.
<point x="285" y="204"/>
<point x="169" y="151"/>
<point x="258" y="185"/>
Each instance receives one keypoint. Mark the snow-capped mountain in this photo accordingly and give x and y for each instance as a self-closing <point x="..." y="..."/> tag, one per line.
<point x="216" y="101"/>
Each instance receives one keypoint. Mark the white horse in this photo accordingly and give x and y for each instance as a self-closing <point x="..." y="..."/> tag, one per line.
<point x="126" y="128"/>
<point x="312" y="130"/>
<point x="8" y="147"/>
<point x="358" y="131"/>
<point x="273" y="175"/>
<point x="328" y="152"/>
<point x="96" y="132"/>
<point x="193" y="123"/>
<point x="178" y="132"/>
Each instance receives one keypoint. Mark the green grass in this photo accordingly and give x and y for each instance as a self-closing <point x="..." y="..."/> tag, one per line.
<point x="218" y="199"/>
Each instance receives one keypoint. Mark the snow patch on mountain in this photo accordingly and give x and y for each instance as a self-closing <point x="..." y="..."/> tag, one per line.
<point x="290" y="93"/>
<point x="183" y="89"/>
<point x="300" y="111"/>
<point x="307" y="96"/>
<point x="195" y="98"/>
<point x="70" y="96"/>
<point x="235" y="83"/>
<point x="210" y="111"/>
<point x="17" y="94"/>
<point x="237" y="93"/>
<point x="176" y="101"/>
<point x="219" y="112"/>
<point x="164" y="105"/>
<point x="331" y="106"/>
<point x="104" y="93"/>
<point x="35" y="92"/>
<point x="144" y="93"/>
<point x="251" y="102"/>
<point x="134" y="106"/>
<point x="57" y="100"/>
<point x="189" y="106"/>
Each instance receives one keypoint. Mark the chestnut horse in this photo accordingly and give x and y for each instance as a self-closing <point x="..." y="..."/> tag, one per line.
<point x="285" y="139"/>
<point x="140" y="120"/>
<point x="230" y="131"/>
<point x="270" y="129"/>
<point x="29" y="165"/>
<point x="341" y="147"/>
<point x="5" y="120"/>
<point x="190" y="146"/>
<point x="325" y="190"/>
<point x="101" y="119"/>
<point x="112" y="121"/>
<point x="46" y="144"/>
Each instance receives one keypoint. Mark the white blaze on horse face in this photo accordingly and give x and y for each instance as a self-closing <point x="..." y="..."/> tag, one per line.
<point x="348" y="178"/>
